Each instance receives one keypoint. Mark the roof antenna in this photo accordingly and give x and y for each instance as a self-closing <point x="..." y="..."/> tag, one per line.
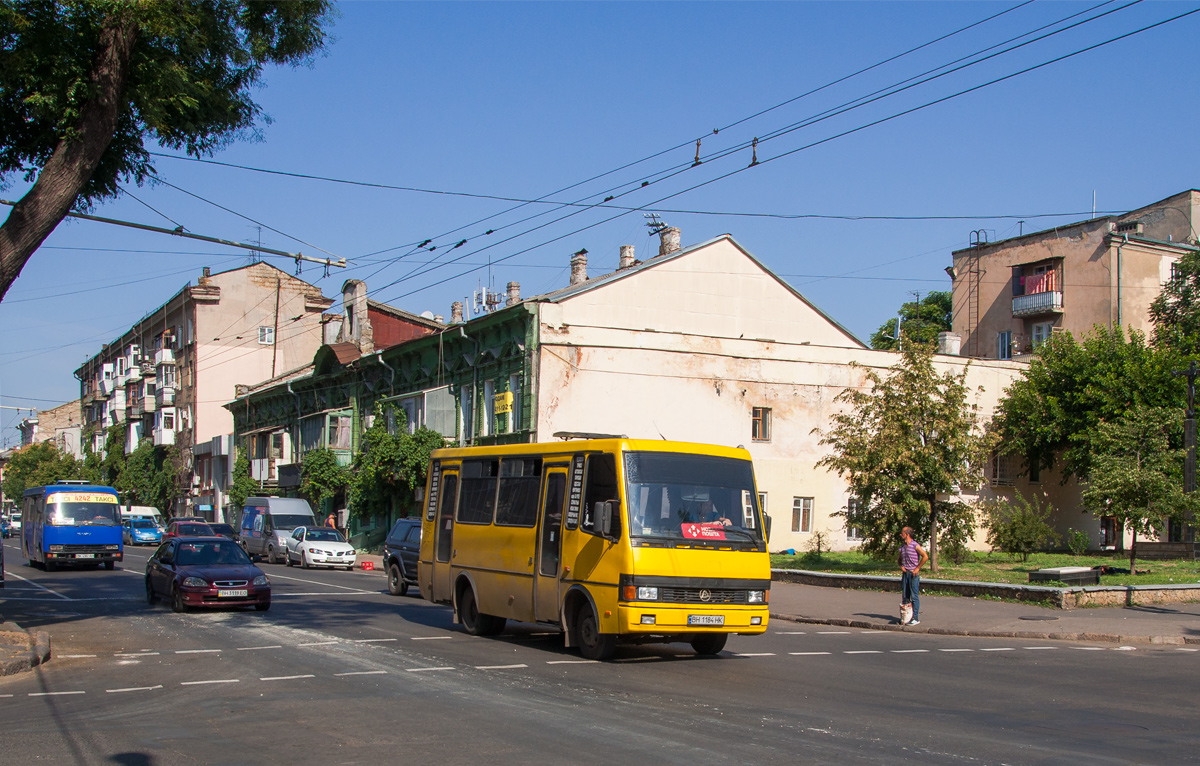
<point x="654" y="223"/>
<point x="697" y="162"/>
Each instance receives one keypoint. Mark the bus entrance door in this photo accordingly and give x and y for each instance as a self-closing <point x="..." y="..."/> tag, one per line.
<point x="443" y="542"/>
<point x="549" y="553"/>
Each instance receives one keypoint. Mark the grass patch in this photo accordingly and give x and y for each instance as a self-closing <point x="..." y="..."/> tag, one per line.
<point x="999" y="567"/>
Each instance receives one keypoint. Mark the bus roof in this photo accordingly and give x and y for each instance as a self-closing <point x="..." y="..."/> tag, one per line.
<point x="69" y="488"/>
<point x="575" y="446"/>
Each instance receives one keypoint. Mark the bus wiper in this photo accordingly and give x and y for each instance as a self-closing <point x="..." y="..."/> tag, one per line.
<point x="749" y="536"/>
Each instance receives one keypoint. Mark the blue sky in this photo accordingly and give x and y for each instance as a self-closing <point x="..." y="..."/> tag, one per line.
<point x="521" y="100"/>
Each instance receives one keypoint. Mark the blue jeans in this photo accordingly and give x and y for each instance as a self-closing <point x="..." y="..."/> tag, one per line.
<point x="910" y="592"/>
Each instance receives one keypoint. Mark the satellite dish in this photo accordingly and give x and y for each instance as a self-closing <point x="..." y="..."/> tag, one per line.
<point x="427" y="315"/>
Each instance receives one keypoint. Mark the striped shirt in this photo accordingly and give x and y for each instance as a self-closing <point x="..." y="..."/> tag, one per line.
<point x="909" y="556"/>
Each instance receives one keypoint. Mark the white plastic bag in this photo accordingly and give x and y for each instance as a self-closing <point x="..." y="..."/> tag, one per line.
<point x="905" y="614"/>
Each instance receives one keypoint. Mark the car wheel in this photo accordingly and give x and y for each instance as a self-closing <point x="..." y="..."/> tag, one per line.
<point x="151" y="599"/>
<point x="287" y="558"/>
<point x="396" y="584"/>
<point x="593" y="644"/>
<point x="709" y="644"/>
<point x="271" y="554"/>
<point x="303" y="560"/>
<point x="177" y="602"/>
<point x="262" y="607"/>
<point x="350" y="568"/>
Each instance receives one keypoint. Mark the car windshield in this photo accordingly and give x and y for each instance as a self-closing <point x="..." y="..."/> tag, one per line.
<point x="144" y="524"/>
<point x="71" y="514"/>
<point x="324" y="536"/>
<point x="692" y="497"/>
<point x="290" y="521"/>
<point x="193" y="529"/>
<point x="208" y="553"/>
<point x="222" y="529"/>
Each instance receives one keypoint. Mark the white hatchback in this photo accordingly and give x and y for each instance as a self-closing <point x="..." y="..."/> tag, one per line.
<point x="319" y="547"/>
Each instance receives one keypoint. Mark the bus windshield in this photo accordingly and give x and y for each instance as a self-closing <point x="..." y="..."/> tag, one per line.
<point x="691" y="497"/>
<point x="72" y="514"/>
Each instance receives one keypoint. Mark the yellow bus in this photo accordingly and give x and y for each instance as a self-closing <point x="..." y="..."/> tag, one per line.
<point x="607" y="539"/>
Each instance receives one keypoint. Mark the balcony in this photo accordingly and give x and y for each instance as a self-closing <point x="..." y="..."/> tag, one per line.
<point x="164" y="396"/>
<point x="163" y="437"/>
<point x="107" y="386"/>
<point x="135" y="373"/>
<point x="149" y="404"/>
<point x="1037" y="304"/>
<point x="164" y="356"/>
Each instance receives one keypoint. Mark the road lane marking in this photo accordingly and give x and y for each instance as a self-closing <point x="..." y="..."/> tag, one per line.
<point x="910" y="651"/>
<point x="956" y="650"/>
<point x="286" y="678"/>
<point x="430" y="638"/>
<point x="327" y="593"/>
<point x="999" y="649"/>
<point x="422" y="670"/>
<point x="73" y="656"/>
<point x="136" y="654"/>
<point x="1184" y="649"/>
<point x="256" y="648"/>
<point x="500" y="667"/>
<point x="318" y="643"/>
<point x="572" y="662"/>
<point x="134" y="689"/>
<point x="363" y="673"/>
<point x="197" y="651"/>
<point x="39" y="586"/>
<point x="1035" y="648"/>
<point x="754" y="654"/>
<point x="322" y="584"/>
<point x="807" y="654"/>
<point x="52" y="694"/>
<point x="217" y="681"/>
<point x="865" y="651"/>
<point x="1089" y="648"/>
<point x="6" y="696"/>
<point x="371" y="640"/>
<point x="833" y="632"/>
<point x="790" y="633"/>
<point x="1125" y="649"/>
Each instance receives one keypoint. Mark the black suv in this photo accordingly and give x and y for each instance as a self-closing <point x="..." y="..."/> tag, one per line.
<point x="400" y="552"/>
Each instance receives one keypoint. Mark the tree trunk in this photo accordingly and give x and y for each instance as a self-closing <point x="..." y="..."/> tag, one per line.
<point x="74" y="160"/>
<point x="933" y="534"/>
<point x="1133" y="552"/>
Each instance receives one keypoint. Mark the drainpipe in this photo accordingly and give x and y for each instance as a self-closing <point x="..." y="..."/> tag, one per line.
<point x="1119" y="246"/>
<point x="391" y="373"/>
<point x="296" y="433"/>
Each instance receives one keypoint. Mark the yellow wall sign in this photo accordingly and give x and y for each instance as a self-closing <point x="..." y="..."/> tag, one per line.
<point x="81" y="497"/>
<point x="504" y="402"/>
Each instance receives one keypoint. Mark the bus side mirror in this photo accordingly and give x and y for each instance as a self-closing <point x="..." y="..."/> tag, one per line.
<point x="602" y="519"/>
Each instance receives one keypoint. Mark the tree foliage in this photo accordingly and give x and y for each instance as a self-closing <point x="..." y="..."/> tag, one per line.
<point x="1176" y="311"/>
<point x="243" y="485"/>
<point x="920" y="322"/>
<point x="85" y="86"/>
<point x="1070" y="387"/>
<point x="321" y="478"/>
<point x="1137" y="475"/>
<point x="906" y="444"/>
<point x="389" y="467"/>
<point x="1018" y="526"/>
<point x="37" y="465"/>
<point x="150" y="476"/>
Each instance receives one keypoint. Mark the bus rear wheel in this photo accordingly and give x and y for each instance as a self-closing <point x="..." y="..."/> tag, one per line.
<point x="593" y="644"/>
<point x="475" y="622"/>
<point x="709" y="644"/>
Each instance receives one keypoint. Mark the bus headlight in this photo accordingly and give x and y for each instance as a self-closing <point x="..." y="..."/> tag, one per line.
<point x="647" y="594"/>
<point x="756" y="597"/>
<point x="56" y="547"/>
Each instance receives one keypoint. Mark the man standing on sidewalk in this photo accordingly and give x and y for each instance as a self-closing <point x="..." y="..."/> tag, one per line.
<point x="912" y="558"/>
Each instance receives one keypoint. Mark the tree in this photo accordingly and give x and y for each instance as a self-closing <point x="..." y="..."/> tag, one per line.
<point x="35" y="466"/>
<point x="1053" y="411"/>
<point x="1137" y="475"/>
<point x="1019" y="527"/>
<point x="149" y="476"/>
<point x="85" y="85"/>
<point x="920" y="322"/>
<point x="321" y="477"/>
<point x="1176" y="310"/>
<point x="905" y="445"/>
<point x="243" y="485"/>
<point x="389" y="467"/>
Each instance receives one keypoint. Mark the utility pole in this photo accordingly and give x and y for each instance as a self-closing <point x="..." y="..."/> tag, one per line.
<point x="275" y="332"/>
<point x="1189" y="436"/>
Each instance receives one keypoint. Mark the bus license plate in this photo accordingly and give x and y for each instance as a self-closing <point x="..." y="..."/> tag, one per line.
<point x="85" y="555"/>
<point x="232" y="593"/>
<point x="706" y="619"/>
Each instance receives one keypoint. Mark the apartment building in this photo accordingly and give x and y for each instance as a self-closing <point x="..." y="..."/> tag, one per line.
<point x="1009" y="296"/>
<point x="167" y="377"/>
<point x="61" y="425"/>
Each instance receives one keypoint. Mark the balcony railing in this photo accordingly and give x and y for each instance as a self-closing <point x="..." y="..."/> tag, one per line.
<point x="164" y="397"/>
<point x="163" y="437"/>
<point x="164" y="356"/>
<point x="1037" y="303"/>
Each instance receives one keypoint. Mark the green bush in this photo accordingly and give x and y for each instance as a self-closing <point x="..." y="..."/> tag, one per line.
<point x="1019" y="527"/>
<point x="1077" y="541"/>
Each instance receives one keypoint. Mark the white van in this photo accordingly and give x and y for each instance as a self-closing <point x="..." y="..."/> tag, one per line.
<point x="142" y="512"/>
<point x="268" y="521"/>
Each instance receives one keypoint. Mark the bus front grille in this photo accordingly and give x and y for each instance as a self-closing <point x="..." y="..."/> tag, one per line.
<point x="697" y="596"/>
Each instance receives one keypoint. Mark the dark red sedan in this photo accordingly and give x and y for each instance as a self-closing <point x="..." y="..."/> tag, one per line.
<point x="205" y="571"/>
<point x="179" y="528"/>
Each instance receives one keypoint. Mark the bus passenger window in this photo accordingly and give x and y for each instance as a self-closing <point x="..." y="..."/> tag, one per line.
<point x="601" y="486"/>
<point x="520" y="481"/>
<point x="478" y="489"/>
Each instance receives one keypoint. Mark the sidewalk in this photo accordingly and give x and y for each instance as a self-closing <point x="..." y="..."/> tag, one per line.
<point x="962" y="616"/>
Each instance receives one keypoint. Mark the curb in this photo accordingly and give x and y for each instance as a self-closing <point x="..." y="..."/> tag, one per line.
<point x="28" y="649"/>
<point x="1112" y="638"/>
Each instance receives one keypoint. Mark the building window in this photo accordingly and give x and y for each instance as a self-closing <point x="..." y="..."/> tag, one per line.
<point x="1041" y="333"/>
<point x="467" y="402"/>
<point x="1035" y="472"/>
<point x="489" y="408"/>
<point x="760" y="424"/>
<point x="1176" y="274"/>
<point x="854" y="534"/>
<point x="1002" y="474"/>
<point x="1004" y="345"/>
<point x="802" y="514"/>
<point x="514" y="414"/>
<point x="266" y="336"/>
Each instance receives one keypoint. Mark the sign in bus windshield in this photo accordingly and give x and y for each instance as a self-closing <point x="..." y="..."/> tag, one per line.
<point x="80" y="508"/>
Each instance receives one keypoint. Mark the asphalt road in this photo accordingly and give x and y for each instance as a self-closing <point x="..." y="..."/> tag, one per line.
<point x="339" y="672"/>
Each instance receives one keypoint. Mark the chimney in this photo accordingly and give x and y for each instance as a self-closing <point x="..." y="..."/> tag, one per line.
<point x="950" y="343"/>
<point x="207" y="271"/>
<point x="579" y="268"/>
<point x="456" y="309"/>
<point x="439" y="319"/>
<point x="514" y="293"/>
<point x="627" y="260"/>
<point x="670" y="240"/>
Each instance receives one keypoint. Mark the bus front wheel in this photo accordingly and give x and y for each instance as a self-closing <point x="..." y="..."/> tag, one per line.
<point x="110" y="565"/>
<point x="593" y="644"/>
<point x="709" y="644"/>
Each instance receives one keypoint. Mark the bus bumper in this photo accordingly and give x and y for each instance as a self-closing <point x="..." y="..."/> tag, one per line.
<point x="654" y="619"/>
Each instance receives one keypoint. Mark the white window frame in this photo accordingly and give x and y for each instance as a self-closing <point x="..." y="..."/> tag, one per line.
<point x="805" y="506"/>
<point x="1004" y="344"/>
<point x="266" y="335"/>
<point x="1040" y="333"/>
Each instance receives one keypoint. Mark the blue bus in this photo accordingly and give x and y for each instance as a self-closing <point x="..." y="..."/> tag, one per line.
<point x="71" y="523"/>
